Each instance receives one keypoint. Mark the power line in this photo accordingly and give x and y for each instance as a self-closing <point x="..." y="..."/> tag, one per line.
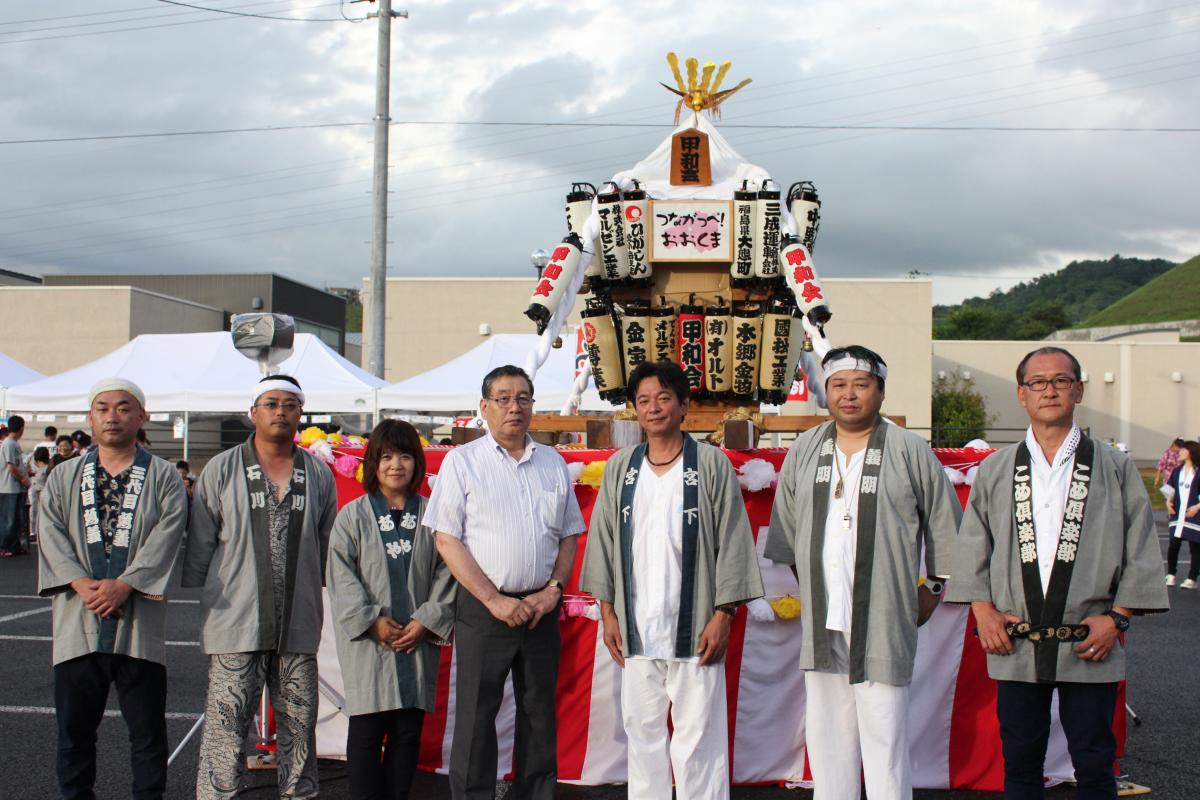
<point x="207" y="132"/>
<point x="214" y="18"/>
<point x="173" y="189"/>
<point x="112" y="12"/>
<point x="598" y="125"/>
<point x="256" y="16"/>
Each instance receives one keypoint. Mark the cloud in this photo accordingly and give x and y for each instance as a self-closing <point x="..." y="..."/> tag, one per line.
<point x="475" y="200"/>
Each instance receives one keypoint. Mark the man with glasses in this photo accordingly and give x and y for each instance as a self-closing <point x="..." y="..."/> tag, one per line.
<point x="507" y="525"/>
<point x="257" y="541"/>
<point x="861" y="506"/>
<point x="1056" y="551"/>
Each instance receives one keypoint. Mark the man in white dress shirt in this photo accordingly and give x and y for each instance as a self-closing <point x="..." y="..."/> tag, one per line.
<point x="507" y="526"/>
<point x="1057" y="550"/>
<point x="860" y="506"/>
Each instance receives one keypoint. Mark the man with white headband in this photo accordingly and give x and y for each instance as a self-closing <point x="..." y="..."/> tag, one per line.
<point x="860" y="507"/>
<point x="261" y="517"/>
<point x="109" y="532"/>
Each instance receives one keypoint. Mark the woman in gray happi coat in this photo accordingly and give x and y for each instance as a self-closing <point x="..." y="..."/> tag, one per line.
<point x="393" y="602"/>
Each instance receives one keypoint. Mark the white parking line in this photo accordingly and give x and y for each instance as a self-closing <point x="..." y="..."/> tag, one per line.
<point x="111" y="712"/>
<point x="13" y="637"/>
<point x="20" y="614"/>
<point x="35" y="597"/>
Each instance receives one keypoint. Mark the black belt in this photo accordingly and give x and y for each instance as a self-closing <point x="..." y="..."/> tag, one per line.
<point x="520" y="595"/>
<point x="1054" y="634"/>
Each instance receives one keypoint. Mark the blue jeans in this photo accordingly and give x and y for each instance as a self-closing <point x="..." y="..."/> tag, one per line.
<point x="1086" y="711"/>
<point x="12" y="520"/>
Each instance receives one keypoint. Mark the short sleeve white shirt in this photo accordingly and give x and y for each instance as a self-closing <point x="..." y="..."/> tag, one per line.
<point x="510" y="514"/>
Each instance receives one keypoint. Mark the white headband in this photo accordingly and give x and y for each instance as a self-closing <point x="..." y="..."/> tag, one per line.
<point x="849" y="362"/>
<point x="277" y="385"/>
<point x="117" y="385"/>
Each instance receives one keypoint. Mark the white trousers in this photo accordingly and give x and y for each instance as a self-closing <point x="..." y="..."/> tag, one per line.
<point x="698" y="749"/>
<point x="851" y="725"/>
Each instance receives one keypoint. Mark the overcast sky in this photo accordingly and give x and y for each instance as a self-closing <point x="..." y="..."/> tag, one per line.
<point x="976" y="209"/>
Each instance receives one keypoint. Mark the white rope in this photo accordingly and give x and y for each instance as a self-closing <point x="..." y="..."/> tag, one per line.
<point x="812" y="370"/>
<point x="812" y="362"/>
<point x="577" y="389"/>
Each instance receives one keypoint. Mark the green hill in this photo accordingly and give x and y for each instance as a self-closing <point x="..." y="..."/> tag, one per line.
<point x="1174" y="295"/>
<point x="1035" y="309"/>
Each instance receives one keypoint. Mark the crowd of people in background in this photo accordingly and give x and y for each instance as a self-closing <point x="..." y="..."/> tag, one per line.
<point x="25" y="472"/>
<point x="24" y="477"/>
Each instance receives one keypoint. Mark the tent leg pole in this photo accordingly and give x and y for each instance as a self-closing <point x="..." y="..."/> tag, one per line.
<point x="186" y="433"/>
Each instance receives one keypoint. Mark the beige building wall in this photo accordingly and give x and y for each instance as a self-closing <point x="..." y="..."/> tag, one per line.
<point x="895" y="319"/>
<point x="56" y="328"/>
<point x="1132" y="394"/>
<point x="431" y="320"/>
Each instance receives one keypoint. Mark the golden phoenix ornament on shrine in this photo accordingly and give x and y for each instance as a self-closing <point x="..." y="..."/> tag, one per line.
<point x="700" y="94"/>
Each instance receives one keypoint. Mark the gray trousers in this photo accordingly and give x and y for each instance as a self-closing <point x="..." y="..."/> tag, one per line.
<point x="235" y="682"/>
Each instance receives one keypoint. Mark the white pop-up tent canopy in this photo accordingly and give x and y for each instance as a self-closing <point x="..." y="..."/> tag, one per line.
<point x="14" y="373"/>
<point x="203" y="373"/>
<point x="454" y="386"/>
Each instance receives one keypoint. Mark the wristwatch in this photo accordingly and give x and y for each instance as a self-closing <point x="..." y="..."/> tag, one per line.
<point x="935" y="586"/>
<point x="1120" y="619"/>
<point x="731" y="610"/>
<point x="555" y="583"/>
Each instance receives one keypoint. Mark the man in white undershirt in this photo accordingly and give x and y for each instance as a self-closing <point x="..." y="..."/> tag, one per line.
<point x="1057" y="550"/>
<point x="860" y="507"/>
<point x="670" y="556"/>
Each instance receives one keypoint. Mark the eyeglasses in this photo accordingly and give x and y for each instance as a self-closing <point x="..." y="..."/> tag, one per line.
<point x="522" y="401"/>
<point x="1060" y="382"/>
<point x="271" y="406"/>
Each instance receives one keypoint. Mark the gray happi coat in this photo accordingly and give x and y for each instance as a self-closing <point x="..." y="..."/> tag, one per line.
<point x="726" y="560"/>
<point x="916" y="509"/>
<point x="153" y="547"/>
<point x="221" y="556"/>
<point x="359" y="589"/>
<point x="1117" y="562"/>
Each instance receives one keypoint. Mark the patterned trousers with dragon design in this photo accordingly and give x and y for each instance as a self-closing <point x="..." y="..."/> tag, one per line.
<point x="235" y="682"/>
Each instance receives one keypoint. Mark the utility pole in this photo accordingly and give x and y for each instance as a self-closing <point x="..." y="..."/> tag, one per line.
<point x="378" y="283"/>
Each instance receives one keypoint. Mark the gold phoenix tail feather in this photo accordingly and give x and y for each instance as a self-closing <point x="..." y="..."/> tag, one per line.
<point x="700" y="92"/>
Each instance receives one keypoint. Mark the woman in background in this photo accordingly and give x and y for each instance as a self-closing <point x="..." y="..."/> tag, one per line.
<point x="1183" y="515"/>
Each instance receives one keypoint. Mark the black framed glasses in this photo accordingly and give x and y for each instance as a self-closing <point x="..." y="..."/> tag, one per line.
<point x="1060" y="382"/>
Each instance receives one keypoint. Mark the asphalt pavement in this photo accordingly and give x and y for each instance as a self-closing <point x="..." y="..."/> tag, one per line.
<point x="1164" y="651"/>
